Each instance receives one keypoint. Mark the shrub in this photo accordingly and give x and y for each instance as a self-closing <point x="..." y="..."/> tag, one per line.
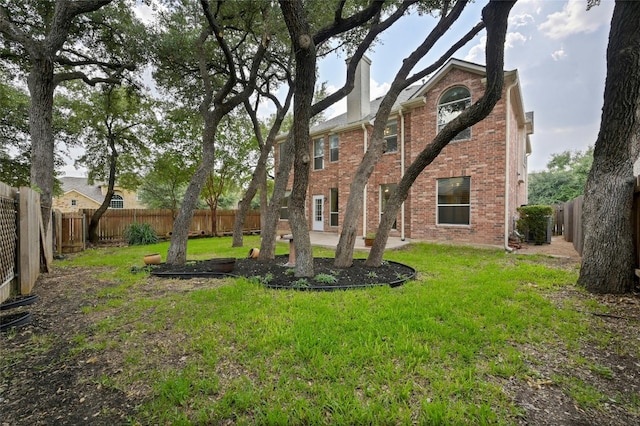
<point x="138" y="234"/>
<point x="325" y="279"/>
<point x="534" y="221"/>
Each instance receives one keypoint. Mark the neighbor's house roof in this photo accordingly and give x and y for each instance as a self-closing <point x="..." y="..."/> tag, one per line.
<point x="80" y="185"/>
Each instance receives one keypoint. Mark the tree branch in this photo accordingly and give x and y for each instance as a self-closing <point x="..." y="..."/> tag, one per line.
<point x="14" y="33"/>
<point x="340" y="25"/>
<point x="353" y="63"/>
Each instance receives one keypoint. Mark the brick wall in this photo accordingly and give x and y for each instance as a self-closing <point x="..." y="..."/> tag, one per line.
<point x="482" y="158"/>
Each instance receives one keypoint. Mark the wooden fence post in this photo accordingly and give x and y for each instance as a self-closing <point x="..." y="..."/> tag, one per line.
<point x="29" y="258"/>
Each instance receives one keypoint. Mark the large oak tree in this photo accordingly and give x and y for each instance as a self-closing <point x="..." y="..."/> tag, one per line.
<point x="62" y="40"/>
<point x="608" y="257"/>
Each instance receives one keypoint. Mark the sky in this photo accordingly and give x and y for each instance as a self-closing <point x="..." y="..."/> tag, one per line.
<point x="557" y="46"/>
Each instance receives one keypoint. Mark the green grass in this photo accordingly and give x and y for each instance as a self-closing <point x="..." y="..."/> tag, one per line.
<point x="434" y="351"/>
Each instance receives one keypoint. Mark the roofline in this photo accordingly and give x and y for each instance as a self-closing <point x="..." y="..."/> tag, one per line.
<point x="83" y="194"/>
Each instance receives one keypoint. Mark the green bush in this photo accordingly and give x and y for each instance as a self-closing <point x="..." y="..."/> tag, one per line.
<point x="138" y="234"/>
<point x="534" y="220"/>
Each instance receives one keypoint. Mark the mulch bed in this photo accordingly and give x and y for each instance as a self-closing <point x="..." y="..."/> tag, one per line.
<point x="276" y="274"/>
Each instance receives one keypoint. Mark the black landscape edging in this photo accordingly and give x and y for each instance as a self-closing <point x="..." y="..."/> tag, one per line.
<point x="187" y="275"/>
<point x="19" y="301"/>
<point x="19" y="320"/>
<point x="210" y="274"/>
<point x="393" y="284"/>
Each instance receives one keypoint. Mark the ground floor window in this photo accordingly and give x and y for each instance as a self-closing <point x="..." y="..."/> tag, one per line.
<point x="117" y="202"/>
<point x="333" y="206"/>
<point x="385" y="192"/>
<point x="454" y="207"/>
<point x="284" y="206"/>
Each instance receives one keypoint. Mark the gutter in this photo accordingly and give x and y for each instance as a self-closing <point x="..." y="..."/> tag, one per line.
<point x="366" y="186"/>
<point x="402" y="154"/>
<point x="507" y="169"/>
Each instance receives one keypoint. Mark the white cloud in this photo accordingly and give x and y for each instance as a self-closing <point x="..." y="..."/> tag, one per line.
<point x="378" y="89"/>
<point x="513" y="38"/>
<point x="521" y="20"/>
<point x="375" y="91"/>
<point x="573" y="19"/>
<point x="476" y="53"/>
<point x="559" y="54"/>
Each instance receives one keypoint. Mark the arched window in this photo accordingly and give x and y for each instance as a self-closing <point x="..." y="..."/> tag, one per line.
<point x="117" y="202"/>
<point x="451" y="104"/>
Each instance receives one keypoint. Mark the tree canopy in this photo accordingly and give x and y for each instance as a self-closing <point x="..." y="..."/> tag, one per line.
<point x="564" y="178"/>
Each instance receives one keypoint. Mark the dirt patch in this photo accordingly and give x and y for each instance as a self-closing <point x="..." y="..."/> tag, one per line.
<point x="45" y="380"/>
<point x="558" y="248"/>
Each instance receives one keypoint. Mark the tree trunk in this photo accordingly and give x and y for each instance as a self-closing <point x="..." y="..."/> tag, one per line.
<point x="95" y="218"/>
<point x="264" y="200"/>
<point x="353" y="211"/>
<point x="272" y="215"/>
<point x="608" y="257"/>
<point x="305" y="80"/>
<point x="259" y="175"/>
<point x="495" y="16"/>
<point x="214" y="220"/>
<point x="177" y="253"/>
<point x="41" y="87"/>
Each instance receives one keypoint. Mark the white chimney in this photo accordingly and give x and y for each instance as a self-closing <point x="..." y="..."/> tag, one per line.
<point x="358" y="101"/>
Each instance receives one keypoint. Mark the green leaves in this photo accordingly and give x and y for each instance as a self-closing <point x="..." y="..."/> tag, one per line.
<point x="563" y="180"/>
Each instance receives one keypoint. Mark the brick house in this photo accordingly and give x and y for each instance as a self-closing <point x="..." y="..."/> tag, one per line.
<point x="78" y="194"/>
<point x="469" y="194"/>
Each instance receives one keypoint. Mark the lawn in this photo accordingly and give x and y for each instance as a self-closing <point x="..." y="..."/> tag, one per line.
<point x="455" y="346"/>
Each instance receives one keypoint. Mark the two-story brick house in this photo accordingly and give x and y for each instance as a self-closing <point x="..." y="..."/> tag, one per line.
<point x="469" y="194"/>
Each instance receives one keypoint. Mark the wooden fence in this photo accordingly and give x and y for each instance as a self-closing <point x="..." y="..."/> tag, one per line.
<point x="568" y="221"/>
<point x="23" y="241"/>
<point x="72" y="227"/>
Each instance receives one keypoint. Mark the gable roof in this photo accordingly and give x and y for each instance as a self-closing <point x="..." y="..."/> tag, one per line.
<point x="80" y="185"/>
<point x="341" y="120"/>
<point x="409" y="95"/>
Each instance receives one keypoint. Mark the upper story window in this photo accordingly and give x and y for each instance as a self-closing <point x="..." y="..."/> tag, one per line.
<point x="333" y="148"/>
<point x="454" y="201"/>
<point x="452" y="103"/>
<point x="117" y="202"/>
<point x="391" y="135"/>
<point x="318" y="154"/>
<point x="74" y="202"/>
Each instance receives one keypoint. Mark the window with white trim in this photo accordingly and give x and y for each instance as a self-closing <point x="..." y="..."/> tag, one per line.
<point x="454" y="206"/>
<point x="391" y="136"/>
<point x="452" y="103"/>
<point x="117" y="202"/>
<point x="318" y="154"/>
<point x="334" y="143"/>
<point x="74" y="203"/>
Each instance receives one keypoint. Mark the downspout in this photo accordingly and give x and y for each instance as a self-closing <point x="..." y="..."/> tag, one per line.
<point x="507" y="169"/>
<point x="364" y="198"/>
<point x="402" y="217"/>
